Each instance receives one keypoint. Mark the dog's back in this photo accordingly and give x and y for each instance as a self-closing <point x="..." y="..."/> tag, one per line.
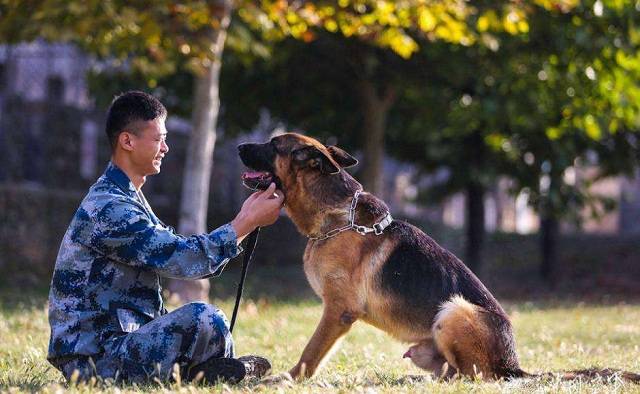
<point x="470" y="328"/>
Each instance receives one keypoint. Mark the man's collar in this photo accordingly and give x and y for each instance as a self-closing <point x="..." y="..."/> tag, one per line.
<point x="117" y="176"/>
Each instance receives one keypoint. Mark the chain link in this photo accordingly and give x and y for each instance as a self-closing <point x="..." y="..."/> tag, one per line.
<point x="378" y="228"/>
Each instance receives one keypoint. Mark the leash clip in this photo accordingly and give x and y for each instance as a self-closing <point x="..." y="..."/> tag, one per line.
<point x="377" y="228"/>
<point x="362" y="230"/>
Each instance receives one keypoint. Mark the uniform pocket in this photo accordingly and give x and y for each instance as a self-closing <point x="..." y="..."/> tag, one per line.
<point x="130" y="320"/>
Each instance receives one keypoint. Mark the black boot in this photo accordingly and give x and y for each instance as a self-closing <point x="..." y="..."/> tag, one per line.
<point x="218" y="368"/>
<point x="255" y="366"/>
<point x="230" y="370"/>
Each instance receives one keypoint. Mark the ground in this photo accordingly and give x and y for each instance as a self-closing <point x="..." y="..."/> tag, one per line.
<point x="551" y="335"/>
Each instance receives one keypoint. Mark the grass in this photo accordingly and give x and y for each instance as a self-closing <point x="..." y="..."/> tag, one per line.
<point x="551" y="335"/>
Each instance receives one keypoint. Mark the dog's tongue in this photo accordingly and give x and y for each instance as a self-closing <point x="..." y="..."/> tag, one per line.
<point x="255" y="174"/>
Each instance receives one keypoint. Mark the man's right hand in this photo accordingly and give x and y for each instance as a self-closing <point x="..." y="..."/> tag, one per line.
<point x="260" y="209"/>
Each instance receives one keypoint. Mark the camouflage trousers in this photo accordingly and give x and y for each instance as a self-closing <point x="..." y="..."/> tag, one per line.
<point x="187" y="336"/>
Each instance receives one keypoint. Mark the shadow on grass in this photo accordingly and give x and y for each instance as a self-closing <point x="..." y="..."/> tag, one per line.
<point x="273" y="283"/>
<point x="16" y="299"/>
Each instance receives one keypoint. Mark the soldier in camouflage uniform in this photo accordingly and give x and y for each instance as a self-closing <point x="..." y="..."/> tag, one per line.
<point x="105" y="307"/>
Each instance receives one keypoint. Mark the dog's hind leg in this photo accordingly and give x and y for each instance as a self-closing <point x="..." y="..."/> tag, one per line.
<point x="425" y="355"/>
<point x="335" y="322"/>
<point x="463" y="338"/>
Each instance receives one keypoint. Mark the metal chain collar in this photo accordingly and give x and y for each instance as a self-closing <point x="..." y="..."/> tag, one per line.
<point x="377" y="228"/>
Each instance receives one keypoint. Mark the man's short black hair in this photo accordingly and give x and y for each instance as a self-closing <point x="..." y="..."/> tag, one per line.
<point x="130" y="107"/>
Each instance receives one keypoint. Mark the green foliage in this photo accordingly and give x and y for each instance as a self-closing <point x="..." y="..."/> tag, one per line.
<point x="531" y="106"/>
<point x="152" y="37"/>
<point x="523" y="89"/>
<point x="584" y="101"/>
<point x="311" y="86"/>
<point x="397" y="25"/>
<point x="174" y="90"/>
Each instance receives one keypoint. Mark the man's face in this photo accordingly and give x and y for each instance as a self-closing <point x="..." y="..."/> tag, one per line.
<point x="150" y="146"/>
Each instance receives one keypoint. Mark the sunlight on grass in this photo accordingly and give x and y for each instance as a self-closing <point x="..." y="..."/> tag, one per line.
<point x="549" y="338"/>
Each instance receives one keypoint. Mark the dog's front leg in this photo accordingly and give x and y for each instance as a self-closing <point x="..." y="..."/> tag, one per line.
<point x="335" y="323"/>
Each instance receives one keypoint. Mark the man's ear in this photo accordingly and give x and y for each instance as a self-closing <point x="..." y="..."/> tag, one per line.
<point x="341" y="157"/>
<point x="125" y="140"/>
<point x="315" y="158"/>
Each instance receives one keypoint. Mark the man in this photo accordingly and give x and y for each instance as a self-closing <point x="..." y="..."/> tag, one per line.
<point x="105" y="307"/>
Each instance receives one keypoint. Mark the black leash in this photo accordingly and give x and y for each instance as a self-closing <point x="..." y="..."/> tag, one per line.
<point x="248" y="252"/>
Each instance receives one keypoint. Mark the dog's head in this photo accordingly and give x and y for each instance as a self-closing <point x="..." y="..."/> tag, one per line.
<point x="288" y="158"/>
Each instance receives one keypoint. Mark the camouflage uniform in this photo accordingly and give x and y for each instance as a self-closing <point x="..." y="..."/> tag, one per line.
<point x="105" y="307"/>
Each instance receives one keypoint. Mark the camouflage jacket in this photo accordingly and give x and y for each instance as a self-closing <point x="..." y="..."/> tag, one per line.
<point x="107" y="275"/>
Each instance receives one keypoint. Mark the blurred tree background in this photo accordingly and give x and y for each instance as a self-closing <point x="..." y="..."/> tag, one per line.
<point x="468" y="94"/>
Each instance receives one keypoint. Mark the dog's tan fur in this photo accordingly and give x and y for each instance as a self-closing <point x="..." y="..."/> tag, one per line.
<point x="455" y="322"/>
<point x="342" y="271"/>
<point x="462" y="337"/>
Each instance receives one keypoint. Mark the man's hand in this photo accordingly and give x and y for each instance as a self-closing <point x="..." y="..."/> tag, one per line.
<point x="260" y="209"/>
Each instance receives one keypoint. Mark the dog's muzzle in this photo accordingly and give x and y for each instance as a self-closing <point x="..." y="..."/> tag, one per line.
<point x="259" y="158"/>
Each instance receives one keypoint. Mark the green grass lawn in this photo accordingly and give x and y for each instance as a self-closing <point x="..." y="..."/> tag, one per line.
<point x="551" y="336"/>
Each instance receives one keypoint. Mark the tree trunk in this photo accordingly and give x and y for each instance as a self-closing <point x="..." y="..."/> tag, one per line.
<point x="549" y="241"/>
<point x="549" y="228"/>
<point x="199" y="160"/>
<point x="475" y="192"/>
<point x="375" y="108"/>
<point x="474" y="226"/>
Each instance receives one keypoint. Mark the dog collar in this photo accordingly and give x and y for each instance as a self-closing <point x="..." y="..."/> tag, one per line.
<point x="377" y="228"/>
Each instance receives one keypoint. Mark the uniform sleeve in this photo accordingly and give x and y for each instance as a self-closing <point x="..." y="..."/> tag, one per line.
<point x="124" y="233"/>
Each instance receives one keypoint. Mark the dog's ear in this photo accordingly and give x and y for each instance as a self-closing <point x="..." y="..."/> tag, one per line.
<point x="341" y="157"/>
<point x="313" y="157"/>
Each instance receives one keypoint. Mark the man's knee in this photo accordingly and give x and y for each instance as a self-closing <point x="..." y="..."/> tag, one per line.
<point x="208" y="318"/>
<point x="210" y="322"/>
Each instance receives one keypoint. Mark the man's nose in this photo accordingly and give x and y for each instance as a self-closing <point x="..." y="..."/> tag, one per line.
<point x="164" y="148"/>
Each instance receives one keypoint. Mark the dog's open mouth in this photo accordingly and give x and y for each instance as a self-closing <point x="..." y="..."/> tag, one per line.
<point x="257" y="180"/>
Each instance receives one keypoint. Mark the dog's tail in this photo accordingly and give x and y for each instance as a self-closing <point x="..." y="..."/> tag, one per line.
<point x="462" y="337"/>
<point x="606" y="374"/>
<point x="474" y="341"/>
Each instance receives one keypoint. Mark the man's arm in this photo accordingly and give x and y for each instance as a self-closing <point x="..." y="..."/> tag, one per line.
<point x="124" y="232"/>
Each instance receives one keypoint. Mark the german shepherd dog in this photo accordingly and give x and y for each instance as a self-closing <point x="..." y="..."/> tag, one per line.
<point x="387" y="273"/>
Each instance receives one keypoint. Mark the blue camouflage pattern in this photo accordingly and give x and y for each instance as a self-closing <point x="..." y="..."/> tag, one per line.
<point x="187" y="337"/>
<point x="106" y="283"/>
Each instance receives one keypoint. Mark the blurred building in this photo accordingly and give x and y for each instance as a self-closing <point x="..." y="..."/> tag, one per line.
<point x="507" y="213"/>
<point x="52" y="135"/>
<point x="41" y="71"/>
<point x="48" y="128"/>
